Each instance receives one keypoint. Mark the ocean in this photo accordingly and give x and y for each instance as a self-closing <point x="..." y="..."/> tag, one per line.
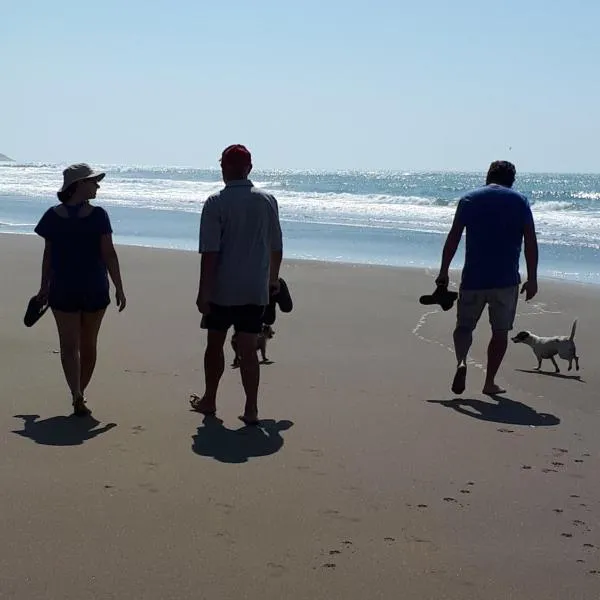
<point x="380" y="218"/>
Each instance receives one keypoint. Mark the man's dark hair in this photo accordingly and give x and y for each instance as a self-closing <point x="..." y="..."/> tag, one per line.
<point x="501" y="172"/>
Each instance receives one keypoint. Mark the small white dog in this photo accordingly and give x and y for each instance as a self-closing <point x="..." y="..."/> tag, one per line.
<point x="549" y="347"/>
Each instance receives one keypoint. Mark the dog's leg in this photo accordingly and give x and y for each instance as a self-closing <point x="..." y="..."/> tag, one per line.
<point x="236" y="358"/>
<point x="576" y="358"/>
<point x="556" y="369"/>
<point x="539" y="367"/>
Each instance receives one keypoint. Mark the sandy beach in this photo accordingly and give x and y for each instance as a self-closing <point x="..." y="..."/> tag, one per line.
<point x="367" y="479"/>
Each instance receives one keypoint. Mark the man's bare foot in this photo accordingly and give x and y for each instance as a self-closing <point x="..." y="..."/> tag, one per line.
<point x="460" y="380"/>
<point x="203" y="405"/>
<point x="492" y="389"/>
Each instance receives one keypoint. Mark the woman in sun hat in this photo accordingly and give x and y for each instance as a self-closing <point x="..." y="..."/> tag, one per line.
<point x="78" y="257"/>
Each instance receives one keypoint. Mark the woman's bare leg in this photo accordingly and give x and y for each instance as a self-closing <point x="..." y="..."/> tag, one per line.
<point x="90" y="326"/>
<point x="69" y="326"/>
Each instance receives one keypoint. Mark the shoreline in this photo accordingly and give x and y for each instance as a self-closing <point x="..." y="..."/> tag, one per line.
<point x="454" y="271"/>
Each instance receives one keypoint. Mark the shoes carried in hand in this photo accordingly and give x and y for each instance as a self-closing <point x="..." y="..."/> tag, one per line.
<point x="441" y="296"/>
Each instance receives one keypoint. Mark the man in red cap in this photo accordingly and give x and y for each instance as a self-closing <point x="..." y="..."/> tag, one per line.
<point x="242" y="249"/>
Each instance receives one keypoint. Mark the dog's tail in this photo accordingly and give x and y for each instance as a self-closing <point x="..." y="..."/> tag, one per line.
<point x="573" y="330"/>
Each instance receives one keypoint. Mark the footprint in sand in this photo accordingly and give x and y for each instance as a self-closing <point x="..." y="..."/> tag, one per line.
<point x="504" y="430"/>
<point x="227" y="508"/>
<point x="558" y="464"/>
<point x="418" y="540"/>
<point x="276" y="570"/>
<point x="465" y="491"/>
<point x="561" y="450"/>
<point x="137" y="429"/>
<point x="526" y="467"/>
<point x="578" y="460"/>
<point x="149" y="487"/>
<point x="448" y="499"/>
<point x="334" y="552"/>
<point x="389" y="539"/>
<point x="567" y="535"/>
<point x="549" y="471"/>
<point x="313" y="451"/>
<point x="590" y="546"/>
<point x="335" y="514"/>
<point x="574" y="496"/>
<point x="594" y="572"/>
<point x="329" y="566"/>
<point x="558" y="510"/>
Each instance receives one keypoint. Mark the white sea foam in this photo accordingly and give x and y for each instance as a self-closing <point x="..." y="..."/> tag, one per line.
<point x="9" y="224"/>
<point x="411" y="202"/>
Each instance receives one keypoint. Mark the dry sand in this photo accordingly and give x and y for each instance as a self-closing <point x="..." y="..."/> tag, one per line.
<point x="366" y="481"/>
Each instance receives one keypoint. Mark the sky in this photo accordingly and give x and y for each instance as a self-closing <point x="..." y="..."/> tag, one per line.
<point x="328" y="84"/>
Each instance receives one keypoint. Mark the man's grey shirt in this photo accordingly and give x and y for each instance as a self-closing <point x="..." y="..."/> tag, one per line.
<point x="241" y="224"/>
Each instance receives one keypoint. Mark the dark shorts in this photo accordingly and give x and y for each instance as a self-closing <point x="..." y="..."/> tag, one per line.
<point x="244" y="319"/>
<point x="78" y="300"/>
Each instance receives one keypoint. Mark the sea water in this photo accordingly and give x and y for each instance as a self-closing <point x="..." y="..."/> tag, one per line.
<point x="383" y="218"/>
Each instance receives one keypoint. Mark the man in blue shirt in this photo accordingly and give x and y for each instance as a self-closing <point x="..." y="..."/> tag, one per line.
<point x="497" y="220"/>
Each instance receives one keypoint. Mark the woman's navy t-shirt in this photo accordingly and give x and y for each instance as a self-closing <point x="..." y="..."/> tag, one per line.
<point x="76" y="256"/>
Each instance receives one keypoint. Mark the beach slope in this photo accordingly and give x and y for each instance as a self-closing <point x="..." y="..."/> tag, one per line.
<point x="367" y="479"/>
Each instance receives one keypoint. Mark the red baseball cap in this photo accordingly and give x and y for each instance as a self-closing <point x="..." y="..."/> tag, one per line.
<point x="236" y="155"/>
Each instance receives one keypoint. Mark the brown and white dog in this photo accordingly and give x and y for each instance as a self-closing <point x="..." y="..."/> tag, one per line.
<point x="549" y="347"/>
<point x="266" y="334"/>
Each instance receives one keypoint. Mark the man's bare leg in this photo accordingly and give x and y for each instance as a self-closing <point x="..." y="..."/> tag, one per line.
<point x="214" y="365"/>
<point x="496" y="351"/>
<point x="250" y="371"/>
<point x="463" y="338"/>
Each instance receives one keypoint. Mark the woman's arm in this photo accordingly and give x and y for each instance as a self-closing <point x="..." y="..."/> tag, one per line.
<point x="46" y="272"/>
<point x="111" y="260"/>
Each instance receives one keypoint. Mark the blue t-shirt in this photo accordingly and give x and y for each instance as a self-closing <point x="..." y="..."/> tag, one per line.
<point x="494" y="218"/>
<point x="76" y="255"/>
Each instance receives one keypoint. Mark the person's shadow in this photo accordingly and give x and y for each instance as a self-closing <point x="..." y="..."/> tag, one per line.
<point x="61" y="431"/>
<point x="235" y="446"/>
<point x="503" y="410"/>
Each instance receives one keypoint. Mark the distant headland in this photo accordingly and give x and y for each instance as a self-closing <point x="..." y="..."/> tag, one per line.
<point x="4" y="158"/>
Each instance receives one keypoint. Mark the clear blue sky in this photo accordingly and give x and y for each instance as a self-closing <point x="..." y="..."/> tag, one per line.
<point x="326" y="84"/>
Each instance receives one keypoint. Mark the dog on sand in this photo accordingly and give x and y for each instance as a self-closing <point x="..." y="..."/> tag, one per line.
<point x="549" y="347"/>
<point x="264" y="336"/>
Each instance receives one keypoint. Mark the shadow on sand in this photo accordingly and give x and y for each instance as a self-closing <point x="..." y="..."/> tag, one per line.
<point x="235" y="446"/>
<point x="552" y="374"/>
<point x="503" y="410"/>
<point x="61" y="431"/>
